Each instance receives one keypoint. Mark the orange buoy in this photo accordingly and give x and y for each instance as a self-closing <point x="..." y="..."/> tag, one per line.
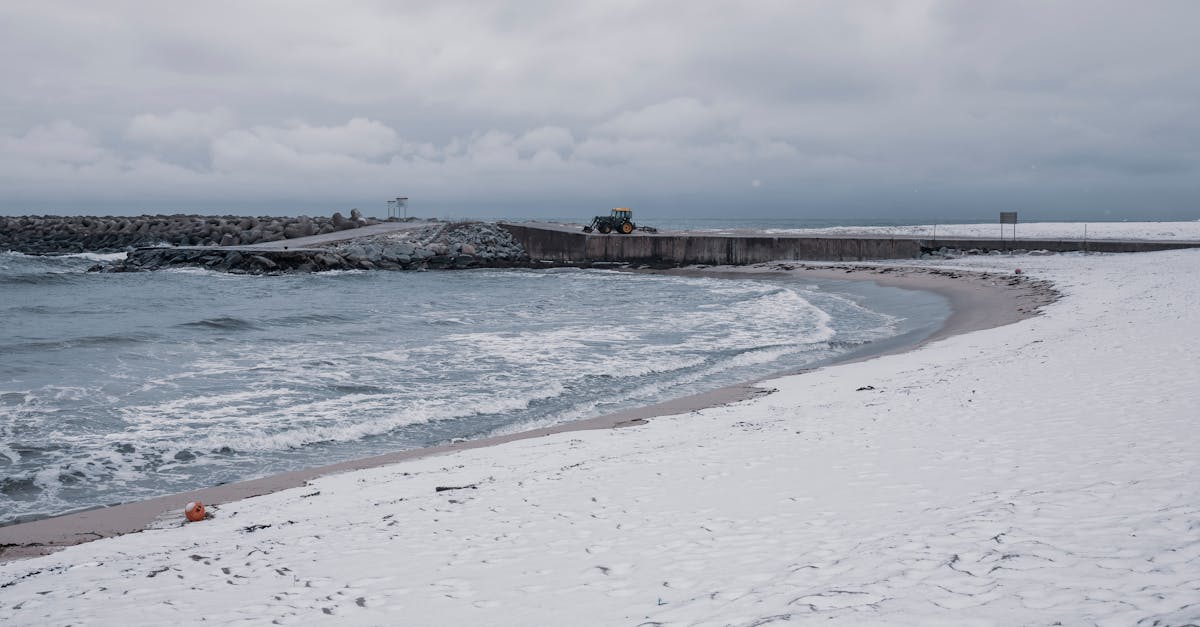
<point x="194" y="511"/>
<point x="1017" y="271"/>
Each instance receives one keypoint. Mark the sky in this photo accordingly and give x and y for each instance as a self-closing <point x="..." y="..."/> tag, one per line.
<point x="774" y="109"/>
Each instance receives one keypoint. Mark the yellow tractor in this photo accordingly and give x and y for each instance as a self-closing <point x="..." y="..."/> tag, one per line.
<point x="621" y="221"/>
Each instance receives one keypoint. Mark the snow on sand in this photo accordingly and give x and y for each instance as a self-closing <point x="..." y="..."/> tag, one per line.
<point x="1039" y="472"/>
<point x="1166" y="231"/>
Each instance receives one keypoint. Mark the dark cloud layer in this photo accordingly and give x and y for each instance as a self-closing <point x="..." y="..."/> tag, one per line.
<point x="884" y="108"/>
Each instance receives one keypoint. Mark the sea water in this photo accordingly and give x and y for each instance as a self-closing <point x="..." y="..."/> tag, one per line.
<point x="117" y="387"/>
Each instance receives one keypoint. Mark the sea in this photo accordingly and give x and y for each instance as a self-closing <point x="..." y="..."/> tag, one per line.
<point x="124" y="386"/>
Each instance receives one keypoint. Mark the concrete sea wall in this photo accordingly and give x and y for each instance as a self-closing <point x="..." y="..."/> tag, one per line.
<point x="561" y="245"/>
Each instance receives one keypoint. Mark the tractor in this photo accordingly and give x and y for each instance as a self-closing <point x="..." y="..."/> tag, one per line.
<point x="620" y="221"/>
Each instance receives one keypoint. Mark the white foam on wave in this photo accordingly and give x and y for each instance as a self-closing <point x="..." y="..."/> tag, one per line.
<point x="574" y="350"/>
<point x="121" y="256"/>
<point x="337" y="273"/>
<point x="666" y="388"/>
<point x="783" y="316"/>
<point x="24" y="264"/>
<point x="396" y="355"/>
<point x="261" y="399"/>
<point x="764" y="324"/>
<point x="47" y="399"/>
<point x="274" y="420"/>
<point x="173" y="414"/>
<point x="342" y="419"/>
<point x="884" y="324"/>
<point x="207" y="273"/>
<point x="7" y="451"/>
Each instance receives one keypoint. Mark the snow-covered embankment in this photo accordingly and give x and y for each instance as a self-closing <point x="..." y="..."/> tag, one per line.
<point x="1041" y="471"/>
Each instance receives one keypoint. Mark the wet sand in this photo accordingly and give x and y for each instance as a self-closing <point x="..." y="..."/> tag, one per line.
<point x="977" y="301"/>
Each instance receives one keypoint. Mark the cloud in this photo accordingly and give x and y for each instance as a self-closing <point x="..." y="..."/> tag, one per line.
<point x="359" y="137"/>
<point x="59" y="143"/>
<point x="546" y="138"/>
<point x="679" y="118"/>
<point x="178" y="126"/>
<point x="840" y="106"/>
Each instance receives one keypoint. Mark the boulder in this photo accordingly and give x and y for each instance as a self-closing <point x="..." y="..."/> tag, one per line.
<point x="263" y="262"/>
<point x="298" y="229"/>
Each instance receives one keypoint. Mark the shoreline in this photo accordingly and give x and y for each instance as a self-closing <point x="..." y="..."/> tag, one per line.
<point x="978" y="300"/>
<point x="983" y="301"/>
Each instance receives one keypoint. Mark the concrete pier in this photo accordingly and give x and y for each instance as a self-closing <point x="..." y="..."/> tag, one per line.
<point x="564" y="244"/>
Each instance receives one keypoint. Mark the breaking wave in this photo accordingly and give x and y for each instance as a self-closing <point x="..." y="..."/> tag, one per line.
<point x="135" y="385"/>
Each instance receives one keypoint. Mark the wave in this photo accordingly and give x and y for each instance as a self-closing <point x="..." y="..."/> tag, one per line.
<point x="303" y="319"/>
<point x="11" y="259"/>
<point x="219" y="323"/>
<point x="448" y="322"/>
<point x="356" y="388"/>
<point x="18" y="269"/>
<point x="13" y="398"/>
<point x="462" y="356"/>
<point x="20" y="488"/>
<point x="91" y="341"/>
<point x="98" y="256"/>
<point x="38" y="310"/>
<point x="352" y="417"/>
<point x="43" y="278"/>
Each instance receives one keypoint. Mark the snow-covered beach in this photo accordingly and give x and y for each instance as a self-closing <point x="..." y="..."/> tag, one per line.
<point x="1134" y="231"/>
<point x="1037" y="472"/>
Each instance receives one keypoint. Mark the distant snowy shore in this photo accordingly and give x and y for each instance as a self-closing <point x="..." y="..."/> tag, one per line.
<point x="1189" y="231"/>
<point x="1037" y="472"/>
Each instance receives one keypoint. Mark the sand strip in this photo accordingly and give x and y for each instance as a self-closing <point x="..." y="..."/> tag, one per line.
<point x="978" y="301"/>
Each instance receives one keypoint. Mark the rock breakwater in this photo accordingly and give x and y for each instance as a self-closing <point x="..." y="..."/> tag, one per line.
<point x="104" y="234"/>
<point x="437" y="246"/>
<point x="481" y="242"/>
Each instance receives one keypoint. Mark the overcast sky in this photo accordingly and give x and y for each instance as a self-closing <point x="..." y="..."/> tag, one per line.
<point x="792" y="108"/>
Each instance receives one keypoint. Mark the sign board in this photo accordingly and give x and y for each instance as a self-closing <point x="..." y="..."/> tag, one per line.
<point x="1008" y="217"/>
<point x="398" y="205"/>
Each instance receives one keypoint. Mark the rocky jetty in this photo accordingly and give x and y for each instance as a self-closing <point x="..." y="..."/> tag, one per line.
<point x="437" y="246"/>
<point x="458" y="244"/>
<point x="230" y="260"/>
<point x="74" y="234"/>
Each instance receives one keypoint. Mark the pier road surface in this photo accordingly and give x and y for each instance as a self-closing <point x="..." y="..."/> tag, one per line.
<point x="319" y="241"/>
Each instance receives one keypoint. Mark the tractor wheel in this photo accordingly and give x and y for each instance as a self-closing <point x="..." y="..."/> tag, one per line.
<point x="605" y="229"/>
<point x="627" y="227"/>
